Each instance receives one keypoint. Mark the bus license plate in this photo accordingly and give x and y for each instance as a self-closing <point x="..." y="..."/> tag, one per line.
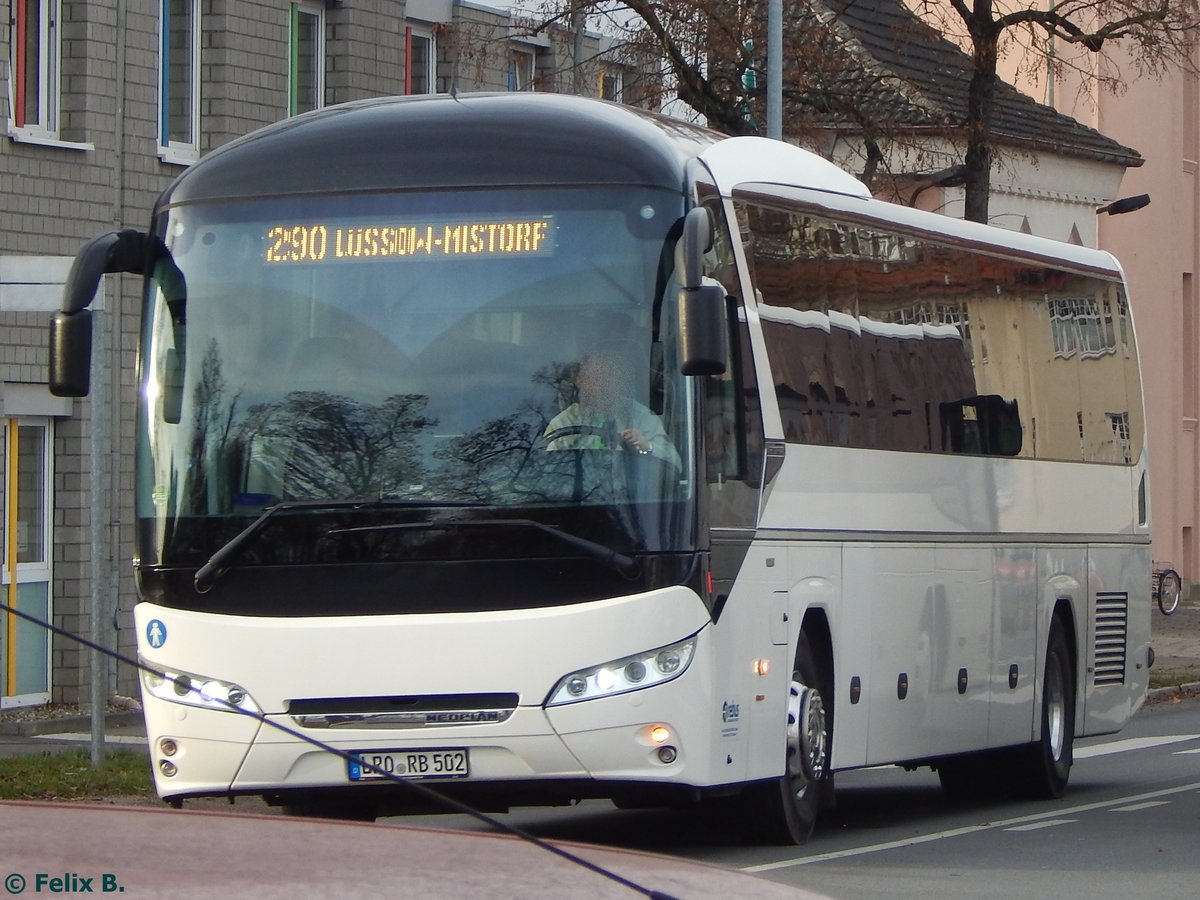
<point x="409" y="764"/>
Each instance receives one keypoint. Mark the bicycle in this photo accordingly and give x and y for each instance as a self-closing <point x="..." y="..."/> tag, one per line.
<point x="1166" y="586"/>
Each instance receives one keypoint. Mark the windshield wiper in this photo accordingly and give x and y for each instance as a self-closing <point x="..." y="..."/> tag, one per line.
<point x="625" y="566"/>
<point x="221" y="561"/>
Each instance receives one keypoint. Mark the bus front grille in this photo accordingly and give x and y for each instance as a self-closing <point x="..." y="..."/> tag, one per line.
<point x="425" y="711"/>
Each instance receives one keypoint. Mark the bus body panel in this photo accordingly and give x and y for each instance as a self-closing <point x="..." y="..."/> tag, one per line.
<point x="1114" y="671"/>
<point x="211" y="746"/>
<point x="525" y="652"/>
<point x="868" y="492"/>
<point x="520" y="651"/>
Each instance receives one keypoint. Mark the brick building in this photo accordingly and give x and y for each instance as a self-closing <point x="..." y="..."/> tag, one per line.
<point x="105" y="103"/>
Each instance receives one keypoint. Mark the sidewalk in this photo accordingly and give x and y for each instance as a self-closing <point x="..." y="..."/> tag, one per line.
<point x="124" y="730"/>
<point x="1176" y="642"/>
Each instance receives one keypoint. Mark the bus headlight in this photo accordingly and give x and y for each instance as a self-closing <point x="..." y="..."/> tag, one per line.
<point x="623" y="675"/>
<point x="196" y="690"/>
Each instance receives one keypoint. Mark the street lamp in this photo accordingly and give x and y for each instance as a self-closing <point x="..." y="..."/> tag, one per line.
<point x="1125" y="205"/>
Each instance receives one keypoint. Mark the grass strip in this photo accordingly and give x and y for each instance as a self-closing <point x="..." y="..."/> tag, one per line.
<point x="68" y="775"/>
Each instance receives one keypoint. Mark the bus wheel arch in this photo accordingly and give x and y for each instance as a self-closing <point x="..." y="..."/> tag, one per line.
<point x="784" y="810"/>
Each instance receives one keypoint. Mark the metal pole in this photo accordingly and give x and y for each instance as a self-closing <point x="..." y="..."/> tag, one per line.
<point x="578" y="25"/>
<point x="775" y="69"/>
<point x="98" y="521"/>
<point x="10" y="532"/>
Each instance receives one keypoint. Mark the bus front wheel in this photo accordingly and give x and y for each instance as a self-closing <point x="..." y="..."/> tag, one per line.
<point x="784" y="810"/>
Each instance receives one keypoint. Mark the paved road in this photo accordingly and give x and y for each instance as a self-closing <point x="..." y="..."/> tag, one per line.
<point x="1126" y="827"/>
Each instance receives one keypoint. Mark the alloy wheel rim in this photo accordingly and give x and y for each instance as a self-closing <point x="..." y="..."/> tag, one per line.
<point x="805" y="736"/>
<point x="1055" y="711"/>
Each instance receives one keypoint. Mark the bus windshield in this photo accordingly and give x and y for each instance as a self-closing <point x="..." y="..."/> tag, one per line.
<point x="510" y="353"/>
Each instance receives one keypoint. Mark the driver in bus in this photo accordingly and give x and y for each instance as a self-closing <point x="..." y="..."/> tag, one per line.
<point x="606" y="417"/>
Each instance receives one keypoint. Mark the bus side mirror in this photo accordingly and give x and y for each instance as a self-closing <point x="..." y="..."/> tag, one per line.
<point x="702" y="318"/>
<point x="71" y="328"/>
<point x="70" y="353"/>
<point x="702" y="330"/>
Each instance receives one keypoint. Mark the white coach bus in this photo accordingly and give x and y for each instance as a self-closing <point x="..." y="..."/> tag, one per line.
<point x="538" y="449"/>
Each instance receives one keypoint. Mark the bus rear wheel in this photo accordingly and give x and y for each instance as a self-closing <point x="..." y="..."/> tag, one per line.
<point x="1046" y="764"/>
<point x="1038" y="771"/>
<point x="784" y="810"/>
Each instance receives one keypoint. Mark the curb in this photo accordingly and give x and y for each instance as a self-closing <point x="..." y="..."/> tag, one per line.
<point x="69" y="724"/>
<point x="1188" y="688"/>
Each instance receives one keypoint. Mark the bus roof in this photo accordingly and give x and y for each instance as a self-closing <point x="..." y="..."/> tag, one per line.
<point x="531" y="139"/>
<point x="443" y="141"/>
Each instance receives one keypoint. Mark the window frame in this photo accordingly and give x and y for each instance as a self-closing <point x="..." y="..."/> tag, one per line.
<point x="316" y="12"/>
<point x="39" y="568"/>
<point x="617" y="75"/>
<point x="182" y="152"/>
<point x="423" y="33"/>
<point x="522" y="60"/>
<point x="30" y="573"/>
<point x="49" y="81"/>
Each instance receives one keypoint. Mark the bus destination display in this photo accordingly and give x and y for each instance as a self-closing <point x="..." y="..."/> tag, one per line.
<point x="321" y="243"/>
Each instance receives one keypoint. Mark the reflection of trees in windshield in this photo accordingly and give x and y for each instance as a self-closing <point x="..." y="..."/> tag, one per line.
<point x="497" y="457"/>
<point x="324" y="445"/>
<point x="318" y="445"/>
<point x="211" y="425"/>
<point x="489" y="457"/>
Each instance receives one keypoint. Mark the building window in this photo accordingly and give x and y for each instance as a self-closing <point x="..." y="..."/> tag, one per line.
<point x="1123" y="319"/>
<point x="306" y="59"/>
<point x="34" y="59"/>
<point x="179" y="102"/>
<point x="1092" y="341"/>
<point x="25" y="464"/>
<point x="520" y="70"/>
<point x="610" y="84"/>
<point x="1062" y="328"/>
<point x="1119" y="422"/>
<point x="1079" y="324"/>
<point x="419" y="55"/>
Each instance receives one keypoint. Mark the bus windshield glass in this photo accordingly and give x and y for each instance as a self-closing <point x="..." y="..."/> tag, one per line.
<point x="506" y="353"/>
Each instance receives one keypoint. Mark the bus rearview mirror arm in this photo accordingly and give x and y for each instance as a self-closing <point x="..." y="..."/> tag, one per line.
<point x="71" y="327"/>
<point x="702" y="325"/>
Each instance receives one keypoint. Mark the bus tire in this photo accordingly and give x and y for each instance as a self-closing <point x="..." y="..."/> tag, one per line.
<point x="784" y="810"/>
<point x="1050" y="758"/>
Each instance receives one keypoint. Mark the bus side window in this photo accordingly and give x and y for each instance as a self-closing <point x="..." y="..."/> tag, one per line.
<point x="733" y="433"/>
<point x="733" y="429"/>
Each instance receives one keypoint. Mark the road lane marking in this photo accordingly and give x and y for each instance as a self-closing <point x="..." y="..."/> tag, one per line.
<point x="968" y="829"/>
<point x="1049" y="823"/>
<point x="1137" y="807"/>
<point x="1133" y="744"/>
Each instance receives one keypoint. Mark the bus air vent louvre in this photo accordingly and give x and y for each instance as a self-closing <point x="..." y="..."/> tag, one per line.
<point x="1112" y="636"/>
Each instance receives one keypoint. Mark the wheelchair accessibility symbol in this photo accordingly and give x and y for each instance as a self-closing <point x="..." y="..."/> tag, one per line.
<point x="156" y="633"/>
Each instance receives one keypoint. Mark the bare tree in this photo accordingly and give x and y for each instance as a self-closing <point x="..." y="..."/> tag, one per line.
<point x="709" y="49"/>
<point x="1157" y="35"/>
